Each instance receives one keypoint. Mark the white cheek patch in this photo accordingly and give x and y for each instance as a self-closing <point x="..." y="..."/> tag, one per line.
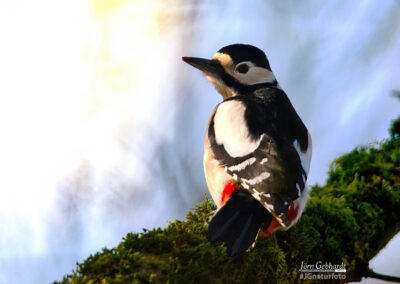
<point x="255" y="75"/>
<point x="305" y="157"/>
<point x="231" y="130"/>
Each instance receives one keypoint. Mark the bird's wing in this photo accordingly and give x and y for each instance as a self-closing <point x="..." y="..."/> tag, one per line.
<point x="265" y="147"/>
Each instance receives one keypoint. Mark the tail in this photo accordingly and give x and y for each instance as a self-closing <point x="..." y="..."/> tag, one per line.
<point x="237" y="223"/>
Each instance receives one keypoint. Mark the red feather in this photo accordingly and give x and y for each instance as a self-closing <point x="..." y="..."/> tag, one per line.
<point x="229" y="189"/>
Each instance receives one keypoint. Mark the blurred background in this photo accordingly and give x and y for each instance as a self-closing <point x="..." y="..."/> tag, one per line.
<point x="102" y="124"/>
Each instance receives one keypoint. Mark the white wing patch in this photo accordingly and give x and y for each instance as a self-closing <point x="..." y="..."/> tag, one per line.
<point x="242" y="165"/>
<point x="305" y="157"/>
<point x="245" y="185"/>
<point x="231" y="130"/>
<point x="257" y="179"/>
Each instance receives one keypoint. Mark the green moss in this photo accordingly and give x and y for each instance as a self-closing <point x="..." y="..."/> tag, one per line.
<point x="349" y="219"/>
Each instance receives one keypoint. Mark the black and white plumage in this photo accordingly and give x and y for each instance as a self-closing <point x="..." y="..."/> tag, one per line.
<point x="257" y="150"/>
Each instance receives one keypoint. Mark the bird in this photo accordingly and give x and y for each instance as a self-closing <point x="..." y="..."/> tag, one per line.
<point x="257" y="150"/>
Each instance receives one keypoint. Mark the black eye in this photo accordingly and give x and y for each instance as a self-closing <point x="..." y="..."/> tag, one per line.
<point x="242" y="68"/>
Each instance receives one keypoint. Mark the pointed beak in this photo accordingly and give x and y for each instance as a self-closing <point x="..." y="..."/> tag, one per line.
<point x="210" y="67"/>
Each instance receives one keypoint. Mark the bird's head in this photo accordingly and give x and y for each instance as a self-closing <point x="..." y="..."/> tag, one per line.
<point x="236" y="69"/>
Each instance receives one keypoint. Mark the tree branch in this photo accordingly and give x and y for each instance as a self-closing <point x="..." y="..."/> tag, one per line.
<point x="371" y="274"/>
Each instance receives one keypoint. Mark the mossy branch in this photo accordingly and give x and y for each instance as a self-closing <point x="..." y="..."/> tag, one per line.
<point x="348" y="220"/>
<point x="370" y="273"/>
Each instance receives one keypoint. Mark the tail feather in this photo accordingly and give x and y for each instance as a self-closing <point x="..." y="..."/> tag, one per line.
<point x="237" y="223"/>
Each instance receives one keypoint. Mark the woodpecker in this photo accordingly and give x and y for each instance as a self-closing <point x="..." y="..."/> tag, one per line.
<point x="257" y="150"/>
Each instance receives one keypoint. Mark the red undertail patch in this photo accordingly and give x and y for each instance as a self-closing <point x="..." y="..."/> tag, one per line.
<point x="274" y="225"/>
<point x="229" y="189"/>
